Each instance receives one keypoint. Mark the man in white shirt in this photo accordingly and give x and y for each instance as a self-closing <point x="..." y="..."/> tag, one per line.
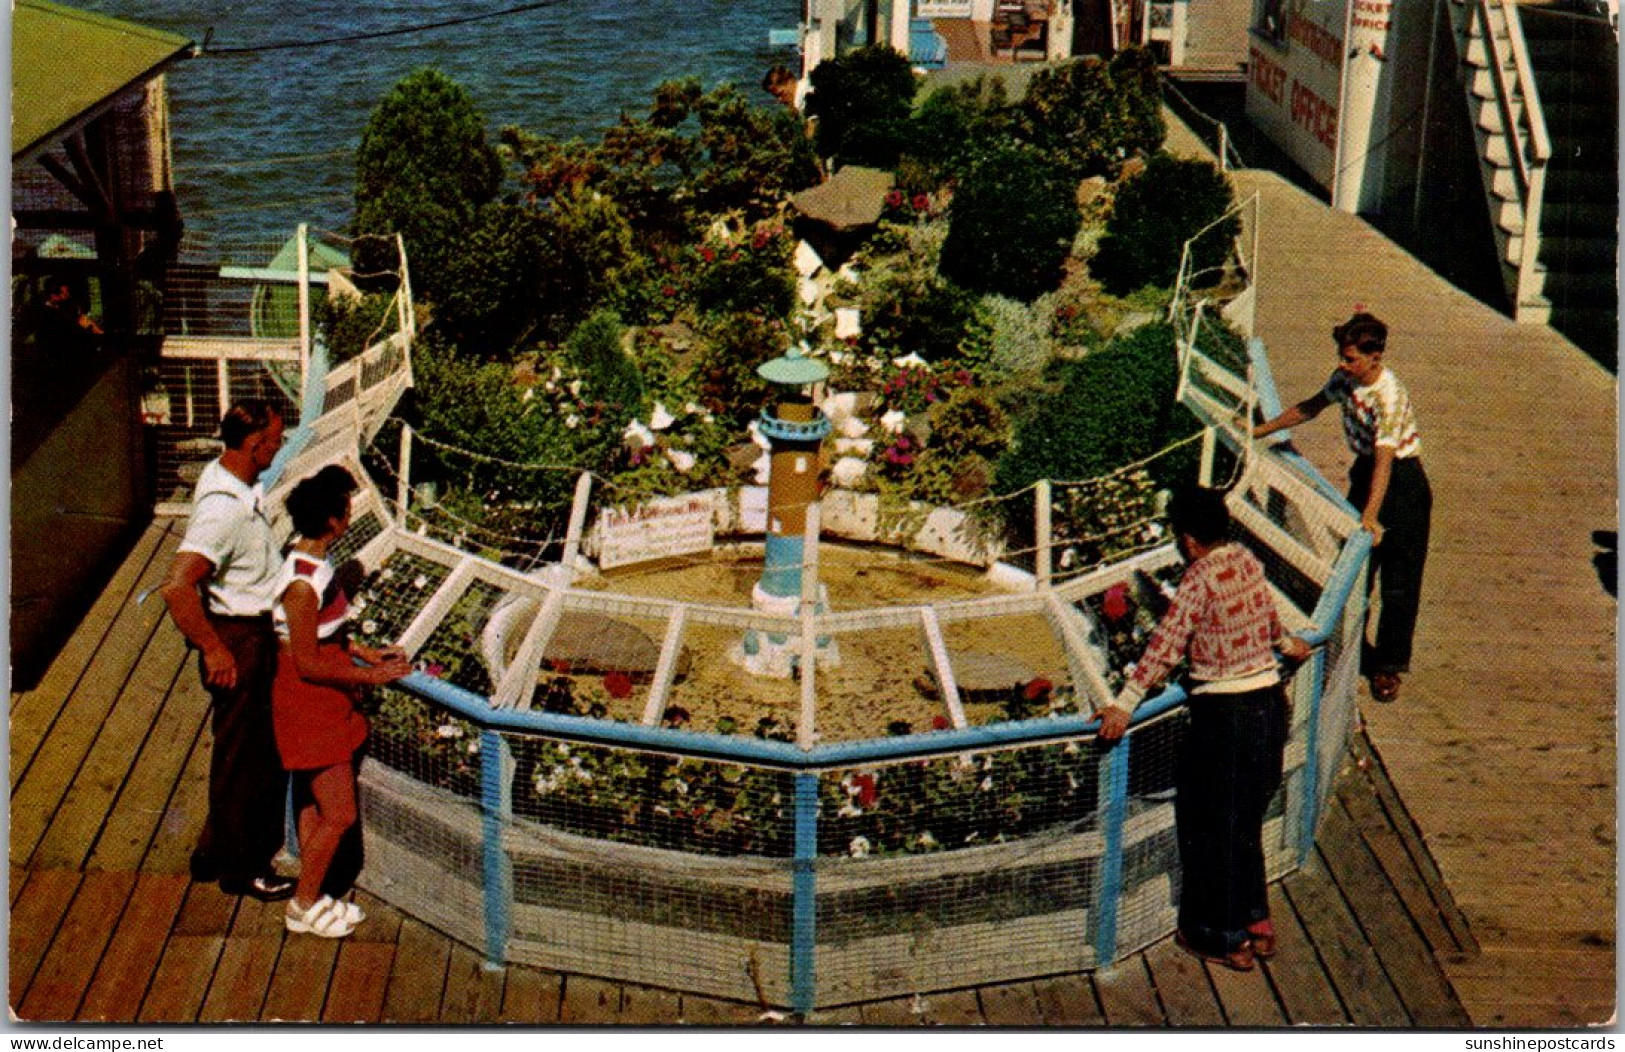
<point x="220" y="593"/>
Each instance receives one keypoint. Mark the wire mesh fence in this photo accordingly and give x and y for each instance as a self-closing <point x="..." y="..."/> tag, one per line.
<point x="583" y="779"/>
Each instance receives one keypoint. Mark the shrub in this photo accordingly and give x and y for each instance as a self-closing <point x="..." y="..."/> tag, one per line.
<point x="948" y="129"/>
<point x="1112" y="408"/>
<point x="863" y="101"/>
<point x="732" y="347"/>
<point x="749" y="271"/>
<point x="349" y="326"/>
<point x="608" y="374"/>
<point x="423" y="170"/>
<point x="488" y="298"/>
<point x="1012" y="223"/>
<point x="1091" y="115"/>
<point x="1155" y="213"/>
<point x="1007" y="341"/>
<point x="587" y="255"/>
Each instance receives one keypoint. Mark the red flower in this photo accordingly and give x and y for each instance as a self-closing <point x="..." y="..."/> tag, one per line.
<point x="619" y="685"/>
<point x="1037" y="688"/>
<point x="561" y="666"/>
<point x="708" y="254"/>
<point x="894" y="199"/>
<point x="865" y="784"/>
<point x="922" y="203"/>
<point x="667" y="290"/>
<point x="760" y="240"/>
<point x="1115" y="604"/>
<point x="939" y="723"/>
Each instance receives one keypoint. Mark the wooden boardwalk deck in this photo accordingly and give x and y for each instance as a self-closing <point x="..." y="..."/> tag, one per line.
<point x="1503" y="745"/>
<point x="108" y="757"/>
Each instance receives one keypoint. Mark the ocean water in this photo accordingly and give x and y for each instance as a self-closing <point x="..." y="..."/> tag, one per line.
<point x="265" y="141"/>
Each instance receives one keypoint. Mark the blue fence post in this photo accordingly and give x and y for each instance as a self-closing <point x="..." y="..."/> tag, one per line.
<point x="496" y="802"/>
<point x="1109" y="889"/>
<point x="1309" y="815"/>
<point x="804" y="896"/>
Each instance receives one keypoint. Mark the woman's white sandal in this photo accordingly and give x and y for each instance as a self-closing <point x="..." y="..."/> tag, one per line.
<point x="325" y="918"/>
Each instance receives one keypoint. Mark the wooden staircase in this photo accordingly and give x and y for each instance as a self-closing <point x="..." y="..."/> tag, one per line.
<point x="1540" y="86"/>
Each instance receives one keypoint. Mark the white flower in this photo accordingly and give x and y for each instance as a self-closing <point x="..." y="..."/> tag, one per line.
<point x="679" y="787"/>
<point x="572" y="421"/>
<point x="659" y="419"/>
<point x="1071" y="749"/>
<point x="359" y="605"/>
<point x="926" y="840"/>
<point x="681" y="460"/>
<point x="575" y="388"/>
<point x="911" y="360"/>
<point x="422" y="581"/>
<point x="1068" y="557"/>
<point x="529" y="393"/>
<point x="638" y="434"/>
<point x="892" y="422"/>
<point x="838" y="357"/>
<point x="369" y="626"/>
<point x="875" y="365"/>
<point x="693" y="407"/>
<point x="848" y="471"/>
<point x="857" y="447"/>
<point x="859" y="847"/>
<point x="448" y="730"/>
<point x="850" y="811"/>
<point x="386" y="573"/>
<point x="852" y="427"/>
<point x="987" y="784"/>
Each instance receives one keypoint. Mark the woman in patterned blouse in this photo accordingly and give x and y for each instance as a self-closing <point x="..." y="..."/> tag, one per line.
<point x="1386" y="483"/>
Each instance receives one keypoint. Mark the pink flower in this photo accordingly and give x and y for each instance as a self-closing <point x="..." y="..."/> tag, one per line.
<point x="436" y="670"/>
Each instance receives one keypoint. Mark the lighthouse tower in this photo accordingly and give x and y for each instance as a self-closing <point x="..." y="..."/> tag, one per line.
<point x="795" y="429"/>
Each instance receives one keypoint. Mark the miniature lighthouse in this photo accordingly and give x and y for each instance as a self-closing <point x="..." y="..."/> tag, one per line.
<point x="794" y="429"/>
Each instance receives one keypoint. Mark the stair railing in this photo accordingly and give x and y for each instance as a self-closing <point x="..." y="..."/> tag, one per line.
<point x="1528" y="162"/>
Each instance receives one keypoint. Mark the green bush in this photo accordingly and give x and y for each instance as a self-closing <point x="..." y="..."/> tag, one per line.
<point x="862" y="101"/>
<point x="751" y="271"/>
<point x="1012" y="223"/>
<point x="948" y="129"/>
<point x="1091" y="115"/>
<point x="488" y="299"/>
<point x="732" y="347"/>
<point x="608" y="373"/>
<point x="349" y="326"/>
<point x="1154" y="214"/>
<point x="1111" y="408"/>
<point x="423" y="170"/>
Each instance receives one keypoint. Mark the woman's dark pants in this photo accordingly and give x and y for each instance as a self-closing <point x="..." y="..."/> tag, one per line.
<point x="1396" y="563"/>
<point x="1229" y="770"/>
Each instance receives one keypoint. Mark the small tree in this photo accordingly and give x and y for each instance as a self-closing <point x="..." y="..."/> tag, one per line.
<point x="1091" y="115"/>
<point x="1012" y="224"/>
<point x="862" y="101"/>
<point x="423" y="170"/>
<point x="488" y="293"/>
<point x="610" y="375"/>
<point x="1153" y="216"/>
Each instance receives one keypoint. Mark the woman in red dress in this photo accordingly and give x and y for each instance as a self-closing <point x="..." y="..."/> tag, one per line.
<point x="313" y="701"/>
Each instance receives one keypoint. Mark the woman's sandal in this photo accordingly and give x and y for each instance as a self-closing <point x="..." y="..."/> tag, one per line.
<point x="1385" y="686"/>
<point x="1262" y="936"/>
<point x="324" y="918"/>
<point x="1237" y="960"/>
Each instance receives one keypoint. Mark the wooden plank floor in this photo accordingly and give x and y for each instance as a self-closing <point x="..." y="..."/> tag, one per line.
<point x="1503" y="745"/>
<point x="106" y="926"/>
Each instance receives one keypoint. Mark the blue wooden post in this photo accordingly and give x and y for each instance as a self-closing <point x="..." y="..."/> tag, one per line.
<point x="804" y="896"/>
<point x="495" y="809"/>
<point x="1114" y="809"/>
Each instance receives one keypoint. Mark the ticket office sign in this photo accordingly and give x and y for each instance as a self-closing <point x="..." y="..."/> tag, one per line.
<point x="1294" y="79"/>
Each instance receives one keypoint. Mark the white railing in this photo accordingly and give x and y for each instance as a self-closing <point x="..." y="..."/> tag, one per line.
<point x="1529" y="146"/>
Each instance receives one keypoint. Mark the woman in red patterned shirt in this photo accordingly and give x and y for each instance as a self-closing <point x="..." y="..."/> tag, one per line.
<point x="1223" y="621"/>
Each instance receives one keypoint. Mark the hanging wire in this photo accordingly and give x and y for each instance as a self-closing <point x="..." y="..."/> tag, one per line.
<point x="354" y="38"/>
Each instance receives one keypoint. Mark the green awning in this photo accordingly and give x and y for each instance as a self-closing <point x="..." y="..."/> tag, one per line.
<point x="65" y="63"/>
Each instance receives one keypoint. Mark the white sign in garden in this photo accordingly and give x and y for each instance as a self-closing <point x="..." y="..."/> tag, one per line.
<point x="659" y="529"/>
